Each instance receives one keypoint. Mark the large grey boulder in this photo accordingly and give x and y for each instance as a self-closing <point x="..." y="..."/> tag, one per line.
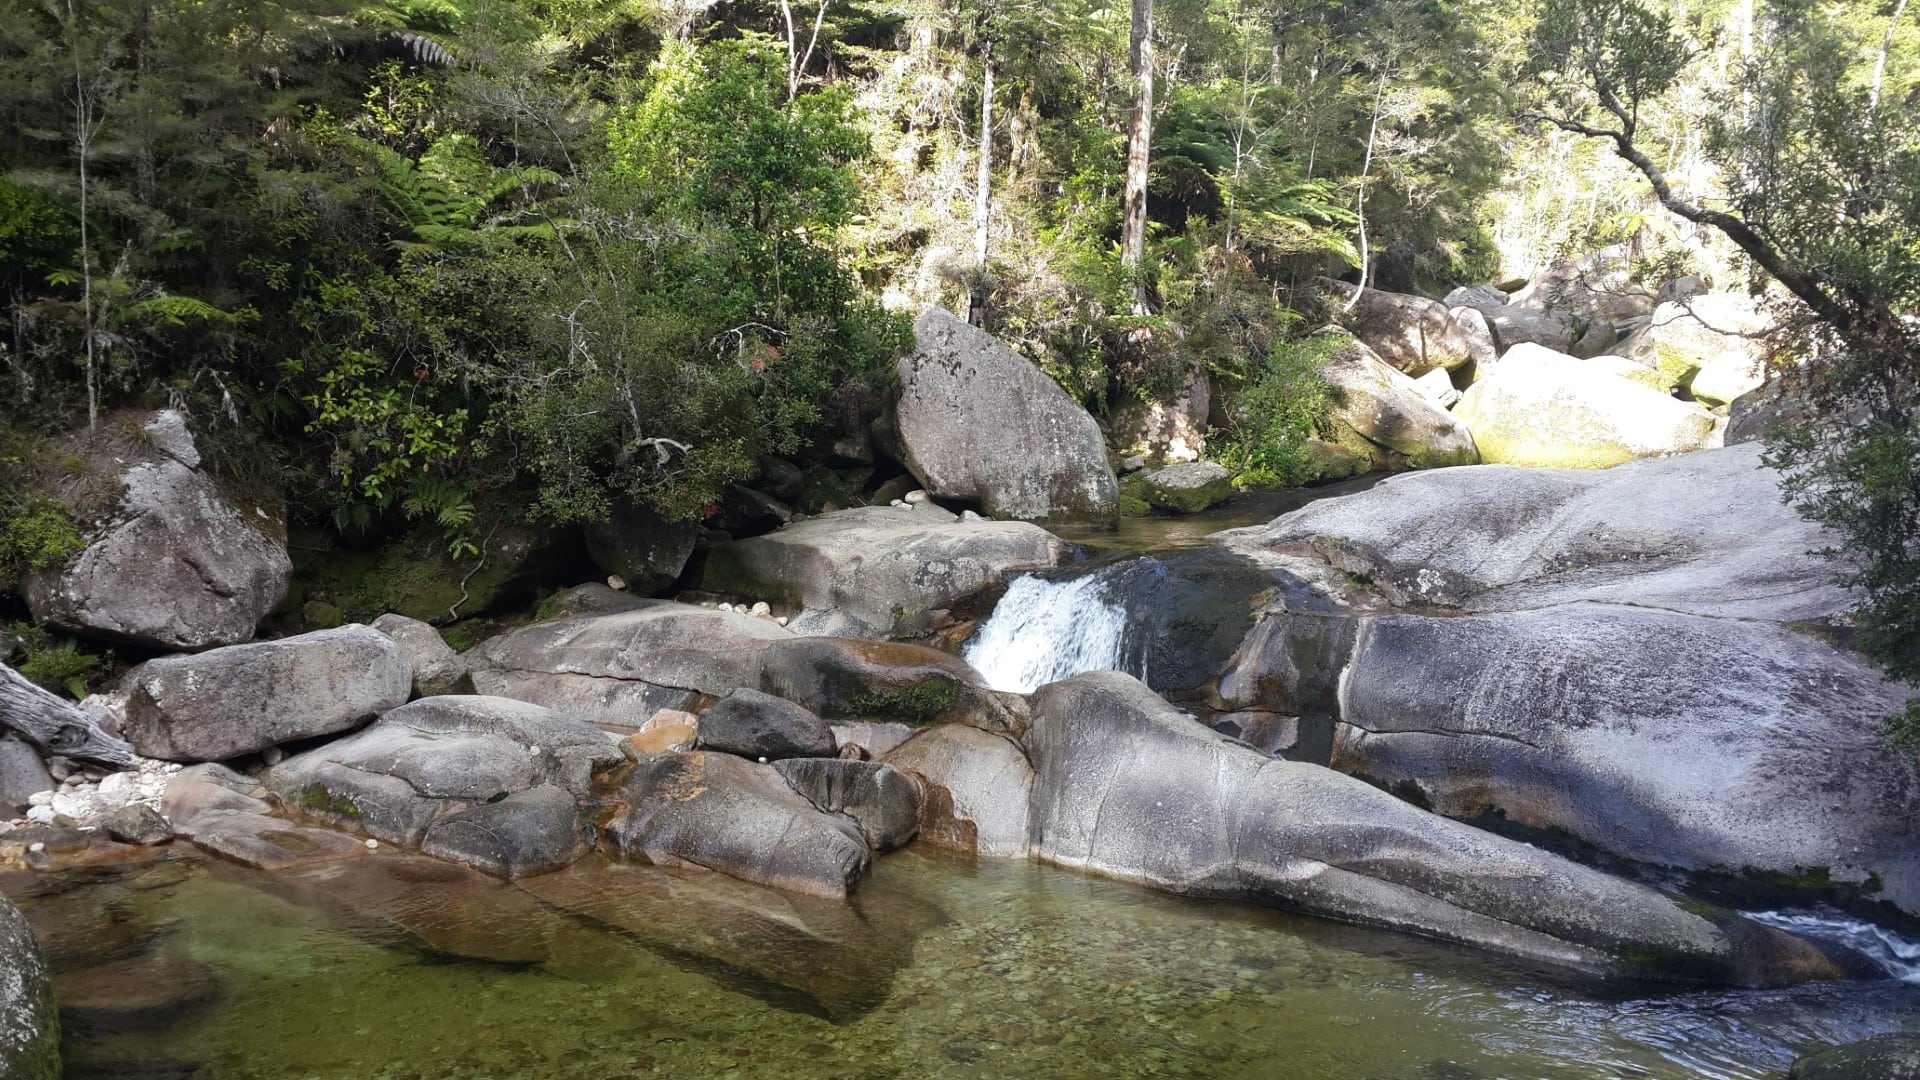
<point x="740" y="818"/>
<point x="1187" y="488"/>
<point x="485" y="781"/>
<point x="1412" y="333"/>
<point x="645" y="549"/>
<point x="1386" y="416"/>
<point x="1714" y="345"/>
<point x="756" y="725"/>
<point x="1514" y="324"/>
<point x="1598" y="286"/>
<point x="244" y="698"/>
<point x="1704" y="533"/>
<point x="29" y="1022"/>
<point x="1727" y="746"/>
<point x="175" y="564"/>
<point x="436" y="666"/>
<point x="22" y="775"/>
<point x="1127" y="787"/>
<point x="980" y="423"/>
<point x="875" y="571"/>
<point x="977" y="789"/>
<point x="1545" y="409"/>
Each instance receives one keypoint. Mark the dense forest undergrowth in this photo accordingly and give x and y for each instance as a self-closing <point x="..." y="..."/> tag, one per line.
<point x="421" y="271"/>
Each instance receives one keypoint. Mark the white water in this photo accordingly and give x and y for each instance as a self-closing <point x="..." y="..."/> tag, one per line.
<point x="1899" y="956"/>
<point x="1043" y="631"/>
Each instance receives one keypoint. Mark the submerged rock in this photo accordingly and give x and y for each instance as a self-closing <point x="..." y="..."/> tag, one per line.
<point x="245" y="698"/>
<point x="1127" y="787"/>
<point x="979" y="423"/>
<point x="728" y="814"/>
<point x="175" y="565"/>
<point x="29" y="1024"/>
<point x="1886" y="1057"/>
<point x="875" y="571"/>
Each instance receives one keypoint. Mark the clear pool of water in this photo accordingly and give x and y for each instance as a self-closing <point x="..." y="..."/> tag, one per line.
<point x="941" y="967"/>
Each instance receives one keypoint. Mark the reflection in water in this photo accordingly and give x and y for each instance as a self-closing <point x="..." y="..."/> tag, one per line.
<point x="939" y="968"/>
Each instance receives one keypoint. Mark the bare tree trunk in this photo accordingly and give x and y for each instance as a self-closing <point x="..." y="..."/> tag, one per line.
<point x="1360" y="201"/>
<point x="797" y="61"/>
<point x="83" y="130"/>
<point x="982" y="187"/>
<point x="1880" y="61"/>
<point x="54" y="726"/>
<point x="1133" y="226"/>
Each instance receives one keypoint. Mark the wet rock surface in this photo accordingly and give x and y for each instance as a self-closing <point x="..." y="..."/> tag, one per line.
<point x="1889" y="1057"/>
<point x="977" y="789"/>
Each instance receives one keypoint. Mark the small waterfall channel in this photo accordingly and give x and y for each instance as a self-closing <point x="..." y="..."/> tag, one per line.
<point x="1898" y="956"/>
<point x="1047" y="628"/>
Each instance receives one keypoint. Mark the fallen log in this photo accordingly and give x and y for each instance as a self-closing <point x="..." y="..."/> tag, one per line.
<point x="54" y="726"/>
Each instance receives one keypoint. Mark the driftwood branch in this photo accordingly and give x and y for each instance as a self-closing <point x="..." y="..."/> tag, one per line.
<point x="54" y="726"/>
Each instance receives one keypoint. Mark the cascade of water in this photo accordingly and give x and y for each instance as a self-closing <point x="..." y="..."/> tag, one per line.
<point x="1044" y="630"/>
<point x="1898" y="956"/>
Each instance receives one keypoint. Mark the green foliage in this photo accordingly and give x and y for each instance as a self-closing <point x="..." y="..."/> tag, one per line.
<point x="36" y="533"/>
<point x="1285" y="405"/>
<point x="58" y="664"/>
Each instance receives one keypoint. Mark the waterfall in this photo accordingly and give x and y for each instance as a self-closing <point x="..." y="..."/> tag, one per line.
<point x="1899" y="957"/>
<point x="1044" y="630"/>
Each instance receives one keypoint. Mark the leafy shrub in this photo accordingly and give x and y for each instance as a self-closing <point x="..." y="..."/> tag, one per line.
<point x="1284" y="406"/>
<point x="57" y="664"/>
<point x="35" y="533"/>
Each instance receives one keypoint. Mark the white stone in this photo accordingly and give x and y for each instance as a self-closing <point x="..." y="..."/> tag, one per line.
<point x="42" y="815"/>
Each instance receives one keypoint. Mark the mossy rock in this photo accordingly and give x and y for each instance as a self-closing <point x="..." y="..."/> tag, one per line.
<point x="1188" y="488"/>
<point x="414" y="575"/>
<point x="1133" y="496"/>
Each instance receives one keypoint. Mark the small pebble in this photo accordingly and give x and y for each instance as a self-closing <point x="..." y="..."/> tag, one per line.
<point x="763" y="761"/>
<point x="616" y="582"/>
<point x="534" y="750"/>
<point x="273" y="755"/>
<point x="373" y="845"/>
<point x="782" y="620"/>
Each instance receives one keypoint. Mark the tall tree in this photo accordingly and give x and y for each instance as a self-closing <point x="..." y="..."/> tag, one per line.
<point x="1133" y="224"/>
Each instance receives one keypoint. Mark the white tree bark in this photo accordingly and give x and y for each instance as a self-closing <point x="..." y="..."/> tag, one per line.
<point x="55" y="726"/>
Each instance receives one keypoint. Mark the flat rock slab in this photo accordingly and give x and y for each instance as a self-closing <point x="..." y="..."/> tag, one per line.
<point x="728" y="814"/>
<point x="830" y="958"/>
<point x="245" y="698"/>
<point x="874" y="571"/>
<point x="268" y="843"/>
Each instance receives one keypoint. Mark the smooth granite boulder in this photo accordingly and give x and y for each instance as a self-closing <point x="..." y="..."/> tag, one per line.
<point x="436" y="666"/>
<point x="1732" y="747"/>
<point x="244" y="698"/>
<point x="977" y="789"/>
<point x="1704" y="533"/>
<point x="490" y="782"/>
<point x="729" y="814"/>
<point x="1413" y="334"/>
<point x="1187" y="488"/>
<point x="875" y="571"/>
<point x="1388" y="417"/>
<point x="979" y="423"/>
<point x="883" y="801"/>
<point x="756" y="725"/>
<point x="1545" y="409"/>
<point x="1126" y="786"/>
<point x="176" y="564"/>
